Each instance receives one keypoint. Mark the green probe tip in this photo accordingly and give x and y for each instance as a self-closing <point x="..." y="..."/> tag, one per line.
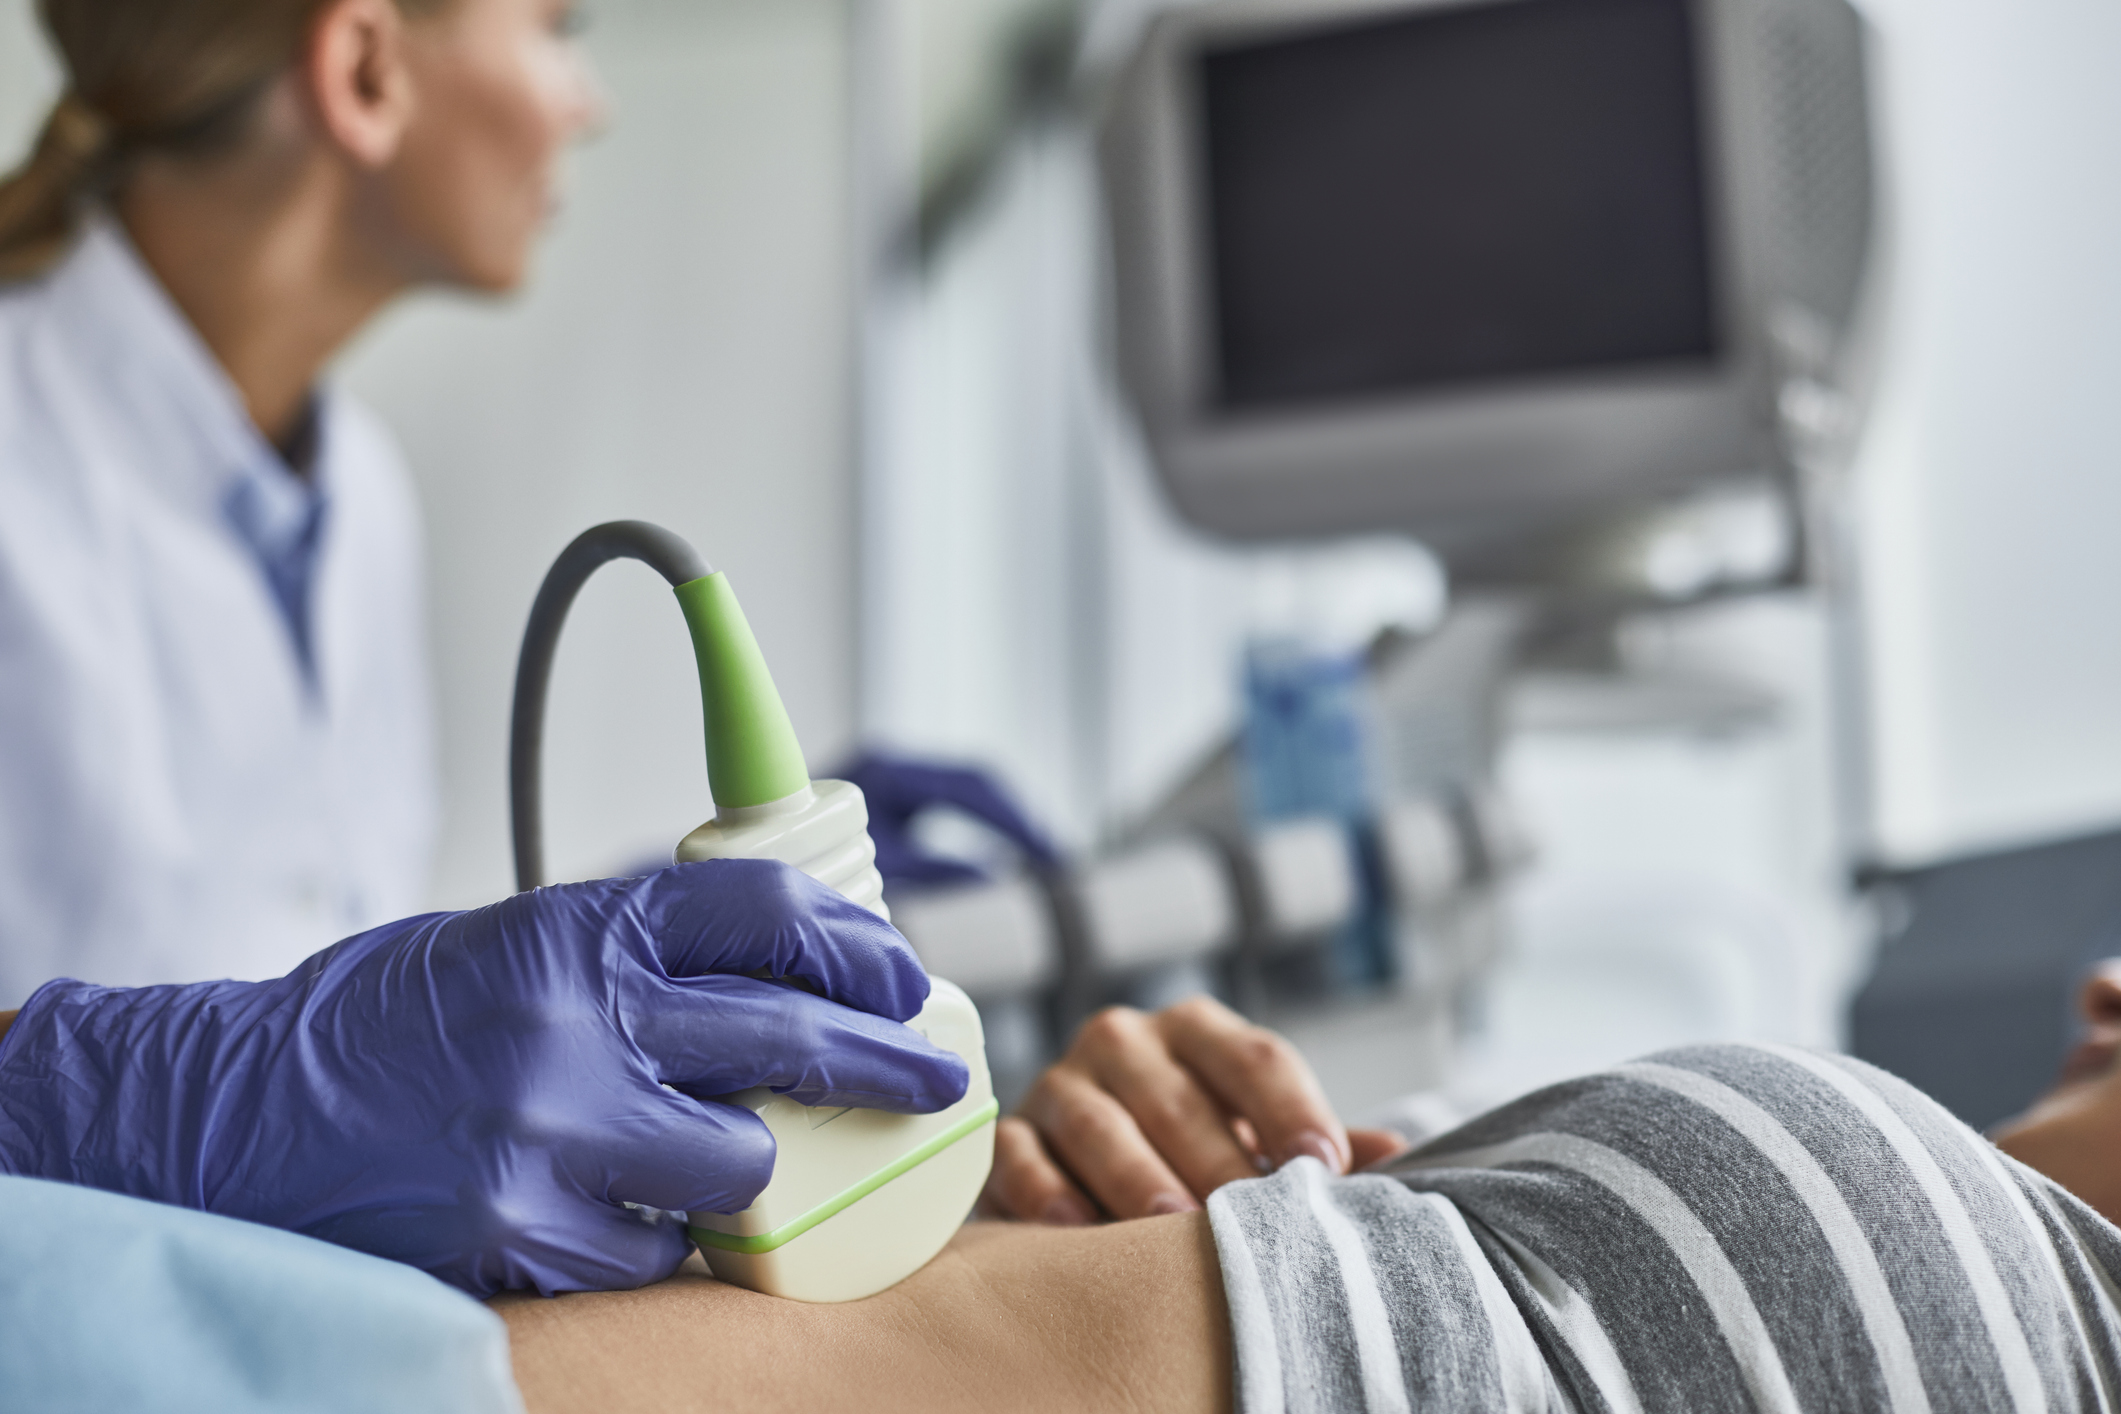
<point x="753" y="757"/>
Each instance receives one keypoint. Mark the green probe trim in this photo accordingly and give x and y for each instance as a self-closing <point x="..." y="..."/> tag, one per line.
<point x="789" y="1231"/>
<point x="752" y="754"/>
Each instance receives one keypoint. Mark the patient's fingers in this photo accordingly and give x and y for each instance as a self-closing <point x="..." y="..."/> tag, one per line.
<point x="1258" y="1075"/>
<point x="1369" y="1146"/>
<point x="1126" y="1053"/>
<point x="1092" y="1134"/>
<point x="1027" y="1184"/>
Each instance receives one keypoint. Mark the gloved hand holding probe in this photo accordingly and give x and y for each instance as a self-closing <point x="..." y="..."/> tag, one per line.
<point x="479" y="1094"/>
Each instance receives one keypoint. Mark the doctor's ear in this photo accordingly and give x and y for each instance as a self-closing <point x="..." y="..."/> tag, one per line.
<point x="356" y="68"/>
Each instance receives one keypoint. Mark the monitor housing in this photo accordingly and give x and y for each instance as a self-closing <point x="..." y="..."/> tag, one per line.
<point x="1487" y="272"/>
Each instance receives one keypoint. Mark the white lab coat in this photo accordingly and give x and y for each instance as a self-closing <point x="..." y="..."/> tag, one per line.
<point x="178" y="798"/>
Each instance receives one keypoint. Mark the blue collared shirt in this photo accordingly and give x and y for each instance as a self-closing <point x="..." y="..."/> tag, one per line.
<point x="215" y="729"/>
<point x="280" y="515"/>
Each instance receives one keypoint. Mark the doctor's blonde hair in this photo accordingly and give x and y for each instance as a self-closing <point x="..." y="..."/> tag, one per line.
<point x="142" y="76"/>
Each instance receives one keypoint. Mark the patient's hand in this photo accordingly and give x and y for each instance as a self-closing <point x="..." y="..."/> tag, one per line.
<point x="1149" y="1114"/>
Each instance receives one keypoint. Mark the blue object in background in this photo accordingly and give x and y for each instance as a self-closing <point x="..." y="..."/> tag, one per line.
<point x="114" y="1303"/>
<point x="1305" y="749"/>
<point x="1307" y="753"/>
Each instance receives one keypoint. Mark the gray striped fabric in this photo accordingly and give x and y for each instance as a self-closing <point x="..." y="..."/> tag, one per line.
<point x="1723" y="1227"/>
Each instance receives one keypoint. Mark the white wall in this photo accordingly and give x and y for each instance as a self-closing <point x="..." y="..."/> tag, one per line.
<point x="683" y="356"/>
<point x="1991" y="488"/>
<point x="28" y="76"/>
<point x="991" y="610"/>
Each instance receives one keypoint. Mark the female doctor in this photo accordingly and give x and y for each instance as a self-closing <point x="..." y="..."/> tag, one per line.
<point x="214" y="740"/>
<point x="215" y="751"/>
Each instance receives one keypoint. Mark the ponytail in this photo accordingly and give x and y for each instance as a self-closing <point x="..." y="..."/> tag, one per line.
<point x="173" y="76"/>
<point x="39" y="201"/>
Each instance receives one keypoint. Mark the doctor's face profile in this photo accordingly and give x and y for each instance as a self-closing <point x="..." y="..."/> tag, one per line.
<point x="496" y="89"/>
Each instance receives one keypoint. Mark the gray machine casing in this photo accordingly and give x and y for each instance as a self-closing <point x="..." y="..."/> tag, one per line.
<point x="1488" y="474"/>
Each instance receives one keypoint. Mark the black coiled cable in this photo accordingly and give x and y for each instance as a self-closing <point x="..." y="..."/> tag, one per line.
<point x="668" y="555"/>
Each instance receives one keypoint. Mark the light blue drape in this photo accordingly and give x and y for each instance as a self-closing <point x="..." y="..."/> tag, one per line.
<point x="112" y="1303"/>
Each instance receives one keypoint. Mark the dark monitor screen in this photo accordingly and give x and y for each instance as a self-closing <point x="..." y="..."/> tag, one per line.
<point x="1455" y="196"/>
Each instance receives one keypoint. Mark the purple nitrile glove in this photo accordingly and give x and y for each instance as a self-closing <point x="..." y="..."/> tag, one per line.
<point x="899" y="789"/>
<point x="478" y="1093"/>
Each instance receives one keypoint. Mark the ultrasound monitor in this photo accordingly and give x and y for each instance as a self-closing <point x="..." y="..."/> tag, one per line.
<point x="1481" y="272"/>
